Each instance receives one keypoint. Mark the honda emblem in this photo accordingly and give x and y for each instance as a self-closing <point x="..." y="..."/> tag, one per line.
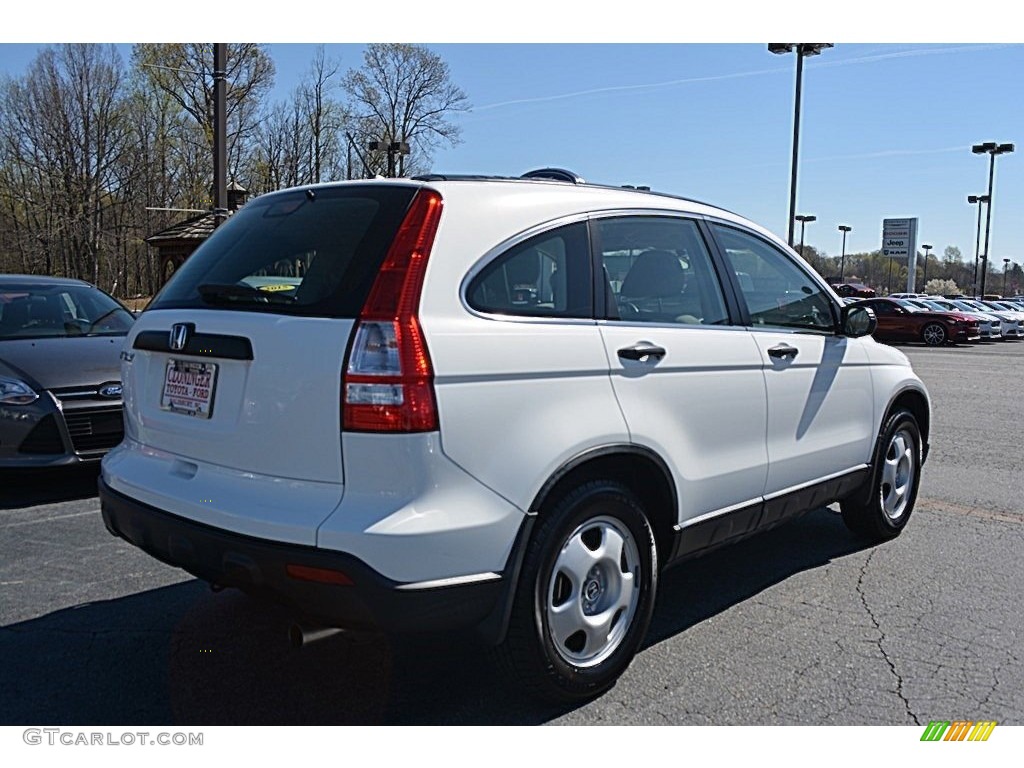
<point x="179" y="336"/>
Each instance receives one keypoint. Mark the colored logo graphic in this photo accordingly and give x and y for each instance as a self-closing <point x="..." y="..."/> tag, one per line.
<point x="958" y="730"/>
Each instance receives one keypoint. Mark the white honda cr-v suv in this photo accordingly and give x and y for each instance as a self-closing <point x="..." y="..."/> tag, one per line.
<point x="500" y="404"/>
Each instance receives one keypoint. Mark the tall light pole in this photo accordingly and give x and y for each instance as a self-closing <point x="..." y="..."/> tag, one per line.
<point x="978" y="200"/>
<point x="803" y="222"/>
<point x="220" y="131"/>
<point x="842" y="259"/>
<point x="802" y="50"/>
<point x="924" y="278"/>
<point x="1006" y="268"/>
<point x="991" y="149"/>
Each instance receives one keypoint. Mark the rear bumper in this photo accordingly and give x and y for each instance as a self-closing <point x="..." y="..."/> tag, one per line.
<point x="258" y="566"/>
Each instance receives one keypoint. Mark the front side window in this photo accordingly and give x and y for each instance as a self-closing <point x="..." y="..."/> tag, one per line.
<point x="545" y="276"/>
<point x="658" y="270"/>
<point x="777" y="291"/>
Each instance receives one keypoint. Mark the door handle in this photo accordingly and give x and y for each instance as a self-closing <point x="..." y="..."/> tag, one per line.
<point x="642" y="351"/>
<point x="782" y="351"/>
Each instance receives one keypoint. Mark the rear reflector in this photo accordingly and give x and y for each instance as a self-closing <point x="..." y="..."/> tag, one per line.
<point x="321" y="575"/>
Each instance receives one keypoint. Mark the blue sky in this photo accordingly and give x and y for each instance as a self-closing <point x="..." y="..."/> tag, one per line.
<point x="886" y="127"/>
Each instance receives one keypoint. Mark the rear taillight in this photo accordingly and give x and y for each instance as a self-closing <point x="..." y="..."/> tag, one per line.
<point x="388" y="384"/>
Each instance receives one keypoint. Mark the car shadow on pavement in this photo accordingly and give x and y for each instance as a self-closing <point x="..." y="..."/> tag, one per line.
<point x="183" y="655"/>
<point x="28" y="487"/>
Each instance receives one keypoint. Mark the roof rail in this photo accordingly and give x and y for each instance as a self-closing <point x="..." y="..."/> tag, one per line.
<point x="555" y="174"/>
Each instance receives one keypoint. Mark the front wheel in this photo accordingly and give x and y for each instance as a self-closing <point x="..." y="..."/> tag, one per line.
<point x="586" y="594"/>
<point x="934" y="334"/>
<point x="881" y="511"/>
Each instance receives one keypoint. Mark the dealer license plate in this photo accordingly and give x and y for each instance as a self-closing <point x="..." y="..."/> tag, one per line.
<point x="189" y="388"/>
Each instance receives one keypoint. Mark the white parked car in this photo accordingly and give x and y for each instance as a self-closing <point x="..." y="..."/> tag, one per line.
<point x="1011" y="320"/>
<point x="505" y="404"/>
<point x="1007" y="326"/>
<point x="990" y="326"/>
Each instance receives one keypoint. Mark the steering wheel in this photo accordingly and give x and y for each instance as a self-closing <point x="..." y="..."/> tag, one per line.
<point x="627" y="309"/>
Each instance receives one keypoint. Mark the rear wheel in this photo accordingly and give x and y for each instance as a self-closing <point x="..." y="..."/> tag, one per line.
<point x="881" y="511"/>
<point x="934" y="334"/>
<point x="586" y="594"/>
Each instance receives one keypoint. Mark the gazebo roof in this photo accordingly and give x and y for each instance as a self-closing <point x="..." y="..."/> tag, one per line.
<point x="197" y="228"/>
<point x="194" y="230"/>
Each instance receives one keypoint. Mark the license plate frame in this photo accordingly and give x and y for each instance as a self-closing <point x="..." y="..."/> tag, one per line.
<point x="193" y="389"/>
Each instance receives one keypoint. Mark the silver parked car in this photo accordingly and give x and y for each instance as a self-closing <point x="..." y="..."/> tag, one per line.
<point x="60" y="371"/>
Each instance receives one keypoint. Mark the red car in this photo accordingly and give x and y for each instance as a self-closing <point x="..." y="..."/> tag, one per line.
<point x="898" y="323"/>
<point x="853" y="289"/>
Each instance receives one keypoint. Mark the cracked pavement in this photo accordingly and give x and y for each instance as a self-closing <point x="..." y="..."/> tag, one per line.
<point x="800" y="625"/>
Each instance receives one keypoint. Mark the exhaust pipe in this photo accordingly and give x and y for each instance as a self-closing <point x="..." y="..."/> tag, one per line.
<point x="300" y="635"/>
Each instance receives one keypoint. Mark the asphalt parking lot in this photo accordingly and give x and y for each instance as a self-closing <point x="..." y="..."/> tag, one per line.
<point x="801" y="625"/>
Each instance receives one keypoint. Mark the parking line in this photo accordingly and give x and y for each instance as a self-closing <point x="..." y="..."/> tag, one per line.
<point x="48" y="519"/>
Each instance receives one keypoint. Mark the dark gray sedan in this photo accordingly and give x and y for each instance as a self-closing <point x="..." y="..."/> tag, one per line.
<point x="60" y="371"/>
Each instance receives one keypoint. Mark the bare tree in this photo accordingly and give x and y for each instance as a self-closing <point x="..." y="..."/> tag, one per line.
<point x="326" y="118"/>
<point x="184" y="71"/>
<point x="403" y="93"/>
<point x="63" y="134"/>
<point x="301" y="141"/>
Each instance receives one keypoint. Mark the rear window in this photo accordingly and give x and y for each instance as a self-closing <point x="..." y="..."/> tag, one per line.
<point x="309" y="252"/>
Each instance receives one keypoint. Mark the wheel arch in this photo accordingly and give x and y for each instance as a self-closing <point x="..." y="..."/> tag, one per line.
<point x="916" y="402"/>
<point x="638" y="468"/>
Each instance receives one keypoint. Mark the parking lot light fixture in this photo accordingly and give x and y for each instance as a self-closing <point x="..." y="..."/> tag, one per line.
<point x="842" y="259"/>
<point x="978" y="200"/>
<point x="991" y="149"/>
<point x="924" y="279"/>
<point x="802" y="50"/>
<point x="803" y="219"/>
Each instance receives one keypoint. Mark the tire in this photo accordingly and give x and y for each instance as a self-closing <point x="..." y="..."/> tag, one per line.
<point x="585" y="596"/>
<point x="934" y="334"/>
<point x="880" y="511"/>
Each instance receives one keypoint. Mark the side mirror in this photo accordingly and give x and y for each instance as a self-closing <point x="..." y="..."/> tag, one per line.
<point x="857" y="321"/>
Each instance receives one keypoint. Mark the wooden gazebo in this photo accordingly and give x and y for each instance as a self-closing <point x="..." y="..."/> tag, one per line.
<point x="178" y="241"/>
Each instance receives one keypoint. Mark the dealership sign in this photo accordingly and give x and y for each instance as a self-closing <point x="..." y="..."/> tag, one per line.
<point x="899" y="241"/>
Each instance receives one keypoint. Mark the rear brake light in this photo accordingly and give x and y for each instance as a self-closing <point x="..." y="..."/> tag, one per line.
<point x="388" y="384"/>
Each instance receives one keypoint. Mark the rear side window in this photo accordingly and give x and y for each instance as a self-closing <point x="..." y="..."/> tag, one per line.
<point x="658" y="270"/>
<point x="312" y="252"/>
<point x="545" y="276"/>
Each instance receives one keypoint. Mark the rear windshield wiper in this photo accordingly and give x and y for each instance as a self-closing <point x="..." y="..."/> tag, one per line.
<point x="221" y="293"/>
